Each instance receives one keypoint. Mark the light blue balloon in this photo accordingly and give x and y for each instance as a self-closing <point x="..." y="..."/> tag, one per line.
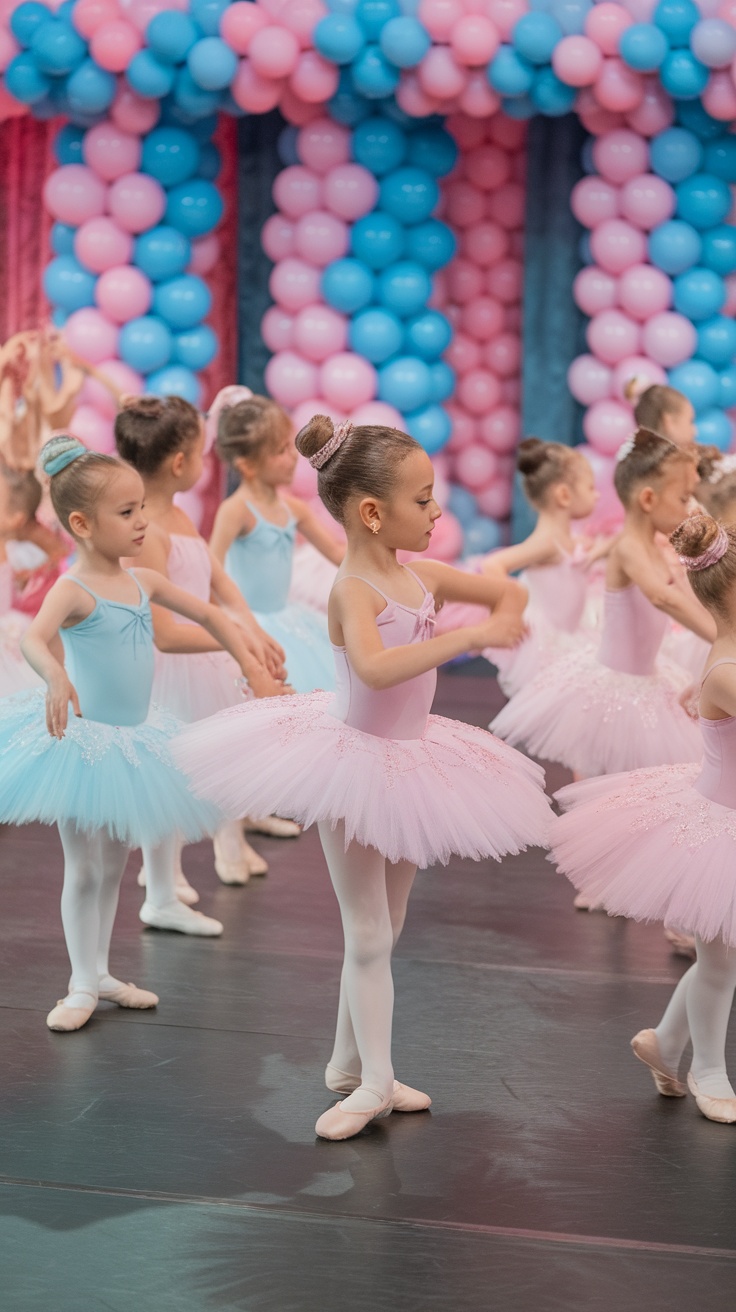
<point x="717" y="341"/>
<point x="175" y="380"/>
<point x="405" y="383"/>
<point x="347" y="285"/>
<point x="170" y="36"/>
<point x="25" y="81"/>
<point x="676" y="18"/>
<point x="182" y="302"/>
<point x="26" y="19"/>
<point x="170" y="155"/>
<point x="519" y="107"/>
<point x="147" y="75"/>
<point x="719" y="249"/>
<point x="68" y="145"/>
<point x="481" y="536"/>
<point x="62" y="239"/>
<point x="443" y="380"/>
<point x="551" y="95"/>
<point x="462" y="504"/>
<point x="674" y="246"/>
<point x="90" y="89"/>
<point x="212" y="63"/>
<point x="698" y="381"/>
<point x="58" y="48"/>
<point x="683" y="76"/>
<point x="720" y="158"/>
<point x="428" y="335"/>
<point x="373" y="15"/>
<point x="715" y="429"/>
<point x="405" y="288"/>
<point x="192" y="99"/>
<point x="571" y="15"/>
<point x="432" y="244"/>
<point x="691" y="115"/>
<point x="675" y="154"/>
<point x="434" y="150"/>
<point x="194" y="207"/>
<point x="347" y="107"/>
<point x="644" y="47"/>
<point x="699" y="294"/>
<point x="342" y="6"/>
<point x="196" y="348"/>
<point x="68" y="284"/>
<point x="430" y="426"/>
<point x="404" y="41"/>
<point x="373" y="76"/>
<point x="59" y="317"/>
<point x="535" y="35"/>
<point x="162" y="253"/>
<point x="339" y="38"/>
<point x="145" y="344"/>
<point x="703" y="200"/>
<point x="377" y="240"/>
<point x="376" y="334"/>
<point x="509" y="74"/>
<point x="727" y="388"/>
<point x="379" y="145"/>
<point x="207" y="14"/>
<point x="410" y="194"/>
<point x="210" y="162"/>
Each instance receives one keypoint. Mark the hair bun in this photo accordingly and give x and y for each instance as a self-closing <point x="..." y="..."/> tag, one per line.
<point x="313" y="436"/>
<point x="695" y="535"/>
<point x="635" y="387"/>
<point x="63" y="445"/>
<point x="530" y="455"/>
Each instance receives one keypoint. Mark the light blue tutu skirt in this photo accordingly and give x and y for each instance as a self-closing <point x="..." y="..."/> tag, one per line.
<point x="98" y="776"/>
<point x="303" y="635"/>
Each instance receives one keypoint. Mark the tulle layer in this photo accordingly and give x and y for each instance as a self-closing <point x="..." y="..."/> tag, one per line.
<point x="599" y="721"/>
<point x="312" y="577"/>
<point x="647" y="845"/>
<point x="98" y="776"/>
<point x="456" y="790"/>
<point x="194" y="686"/>
<point x="303" y="635"/>
<point x="16" y="674"/>
<point x="518" y="666"/>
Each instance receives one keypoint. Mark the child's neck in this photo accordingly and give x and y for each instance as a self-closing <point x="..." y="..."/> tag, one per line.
<point x="555" y="521"/>
<point x="161" y="489"/>
<point x="370" y="556"/>
<point x="94" y="561"/>
<point x="254" y="488"/>
<point x="639" y="525"/>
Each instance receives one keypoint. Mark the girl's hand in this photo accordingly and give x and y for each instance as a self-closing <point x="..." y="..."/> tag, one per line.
<point x="262" y="684"/>
<point x="689" y="701"/>
<point x="274" y="657"/>
<point x="60" y="693"/>
<point x="503" y="629"/>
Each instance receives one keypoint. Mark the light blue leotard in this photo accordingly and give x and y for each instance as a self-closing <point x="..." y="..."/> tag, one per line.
<point x="109" y="658"/>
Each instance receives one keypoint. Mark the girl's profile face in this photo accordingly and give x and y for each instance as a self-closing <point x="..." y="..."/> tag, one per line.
<point x="118" y="523"/>
<point x="679" y="425"/>
<point x="584" y="495"/>
<point x="408" y="518"/>
<point x="277" y="465"/>
<point x="673" y="498"/>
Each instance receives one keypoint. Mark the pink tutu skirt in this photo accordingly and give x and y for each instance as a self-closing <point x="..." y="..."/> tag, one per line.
<point x="595" y="720"/>
<point x="194" y="686"/>
<point x="688" y="650"/>
<point x="456" y="790"/>
<point x="647" y="845"/>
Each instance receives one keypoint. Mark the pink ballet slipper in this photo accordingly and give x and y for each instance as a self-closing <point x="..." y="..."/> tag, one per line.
<point x="128" y="995"/>
<point x="683" y="945"/>
<point x="404" y="1098"/>
<point x="714" y="1109"/>
<point x="645" y="1046"/>
<point x="65" y="1019"/>
<point x="337" y="1123"/>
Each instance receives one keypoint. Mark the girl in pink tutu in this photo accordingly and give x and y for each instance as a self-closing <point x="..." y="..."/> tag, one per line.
<point x="164" y="441"/>
<point x="390" y="786"/>
<point x="660" y="844"/>
<point x="619" y="708"/>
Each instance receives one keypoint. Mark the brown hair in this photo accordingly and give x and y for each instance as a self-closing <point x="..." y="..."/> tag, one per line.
<point x="646" y="461"/>
<point x="150" y="428"/>
<point x="249" y="428"/>
<point x="544" y="464"/>
<point x="693" y="537"/>
<point x="81" y="483"/>
<point x="717" y="488"/>
<point x="24" y="490"/>
<point x="651" y="405"/>
<point x="365" y="464"/>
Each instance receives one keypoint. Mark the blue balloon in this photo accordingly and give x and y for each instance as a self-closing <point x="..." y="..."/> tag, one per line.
<point x="676" y="154"/>
<point x="428" y="335"/>
<point x="90" y="89"/>
<point x="676" y="18"/>
<point x="719" y="250"/>
<point x="519" y="107"/>
<point x="58" y="48"/>
<point x="535" y="36"/>
<point x="509" y="74"/>
<point x="191" y="98"/>
<point x="196" y="348"/>
<point x="145" y="343"/>
<point x="674" y="246"/>
<point x="462" y="504"/>
<point x="404" y="41"/>
<point x="66" y="10"/>
<point x="717" y="341"/>
<point x="373" y="15"/>
<point x="698" y="381"/>
<point x="62" y="239"/>
<point x="59" y="317"/>
<point x="26" y="19"/>
<point x="347" y="285"/>
<point x="643" y="46"/>
<point x="207" y="14"/>
<point x="194" y="207"/>
<point x="212" y="63"/>
<point x="373" y="76"/>
<point x="727" y="388"/>
<point x="405" y="121"/>
<point x="405" y="288"/>
<point x="210" y="162"/>
<point x="338" y="38"/>
<point x="482" y="535"/>
<point x="170" y="155"/>
<point x="691" y="115"/>
<point x="149" y="76"/>
<point x="24" y="79"/>
<point x="433" y="150"/>
<point x="182" y="302"/>
<point x="170" y="36"/>
<point x="162" y="252"/>
<point x="432" y="244"/>
<point x="683" y="76"/>
<point x="376" y="334"/>
<point x="68" y="145"/>
<point x="699" y="294"/>
<point x="720" y="158"/>
<point x="571" y="15"/>
<point x="175" y="380"/>
<point x="346" y="106"/>
<point x="410" y="194"/>
<point x="715" y="429"/>
<point x="443" y="380"/>
<point x="551" y="95"/>
<point x="377" y="239"/>
<point x="405" y="383"/>
<point x="68" y="284"/>
<point x="204" y="127"/>
<point x="431" y="427"/>
<point x="379" y="145"/>
<point x="703" y="200"/>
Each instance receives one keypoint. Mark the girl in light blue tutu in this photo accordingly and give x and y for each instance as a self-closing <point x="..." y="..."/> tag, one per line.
<point x="254" y="533"/>
<point x="103" y="774"/>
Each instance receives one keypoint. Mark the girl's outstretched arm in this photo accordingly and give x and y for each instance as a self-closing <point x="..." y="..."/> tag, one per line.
<point x="681" y="604"/>
<point x="310" y="528"/>
<point x="493" y="589"/>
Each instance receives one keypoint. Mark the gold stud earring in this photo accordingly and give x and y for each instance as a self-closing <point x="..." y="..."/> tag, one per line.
<point x="375" y="527"/>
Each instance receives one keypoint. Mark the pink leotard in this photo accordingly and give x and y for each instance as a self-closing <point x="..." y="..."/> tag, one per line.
<point x="717" y="779"/>
<point x="633" y="630"/>
<point x="557" y="593"/>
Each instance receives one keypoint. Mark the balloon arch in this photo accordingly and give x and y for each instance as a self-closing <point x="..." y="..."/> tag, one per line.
<point x="397" y="240"/>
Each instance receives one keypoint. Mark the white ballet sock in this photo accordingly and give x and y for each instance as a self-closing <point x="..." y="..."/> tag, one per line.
<point x="161" y="864"/>
<point x="709" y="1001"/>
<point x="93" y="868"/>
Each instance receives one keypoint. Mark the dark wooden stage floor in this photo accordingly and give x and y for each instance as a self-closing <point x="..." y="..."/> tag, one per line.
<point x="166" y="1161"/>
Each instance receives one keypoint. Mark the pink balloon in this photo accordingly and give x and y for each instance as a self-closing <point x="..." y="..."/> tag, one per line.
<point x="593" y="200"/>
<point x="474" y="40"/>
<point x="636" y="366"/>
<point x="412" y="99"/>
<point x="485" y="244"/>
<point x="100" y="244"/>
<point x="350" y="191"/>
<point x="465" y="204"/>
<point x="93" y="429"/>
<point x="729" y="307"/>
<point x="440" y="75"/>
<point x="589" y="380"/>
<point x="380" y="413"/>
<point x="464" y="428"/>
<point x="668" y="338"/>
<point x="502" y="355"/>
<point x="110" y="152"/>
<point x="479" y="391"/>
<point x="511" y="391"/>
<point x="114" y="45"/>
<point x="273" y="52"/>
<point x="297" y="191"/>
<point x="495" y="500"/>
<point x="464" y="281"/>
<point x="304" y="482"/>
<point x="647" y="201"/>
<point x="644" y="291"/>
<point x="137" y="202"/>
<point x="478" y="99"/>
<point x="91" y="335"/>
<point x="620" y="155"/>
<point x="608" y="514"/>
<point x="642" y="10"/>
<point x="74" y="194"/>
<point x="577" y="61"/>
<point x="505" y="14"/>
<point x="277" y="329"/>
<point x="595" y="119"/>
<point x="612" y="336"/>
<point x="616" y="245"/>
<point x="475" y="466"/>
<point x="617" y="86"/>
<point x="294" y="284"/>
<point x="656" y="111"/>
<point x="131" y="113"/>
<point x="306" y="410"/>
<point x="607" y="424"/>
<point x="323" y="145"/>
<point x="239" y="22"/>
<point x="463" y="353"/>
<point x="205" y="254"/>
<point x="319" y="332"/>
<point x="256" y="94"/>
<point x="594" y="290"/>
<point x="439" y="17"/>
<point x="348" y="380"/>
<point x="301" y="17"/>
<point x="94" y="393"/>
<point x="140" y="12"/>
<point x="604" y="24"/>
<point x="439" y="297"/>
<point x="123" y="293"/>
<point x="500" y="430"/>
<point x="467" y="133"/>
<point x="320" y="238"/>
<point x="446" y="542"/>
<point x="719" y="97"/>
<point x="487" y="167"/>
<point x="296" y="110"/>
<point x="89" y="15"/>
<point x="507" y="205"/>
<point x="512" y="318"/>
<point x="290" y="379"/>
<point x="482" y="318"/>
<point x="277" y="237"/>
<point x="505" y="281"/>
<point x="313" y="79"/>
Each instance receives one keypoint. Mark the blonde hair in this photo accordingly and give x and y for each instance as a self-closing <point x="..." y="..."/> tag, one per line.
<point x="80" y="484"/>
<point x="249" y="428"/>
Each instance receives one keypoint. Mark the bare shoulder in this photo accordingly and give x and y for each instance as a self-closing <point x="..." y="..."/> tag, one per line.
<point x="351" y="594"/>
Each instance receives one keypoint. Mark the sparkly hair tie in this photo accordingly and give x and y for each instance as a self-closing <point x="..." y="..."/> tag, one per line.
<point x="625" y="449"/>
<point x="711" y="556"/>
<point x="327" y="451"/>
<point x="726" y="465"/>
<point x="64" y="459"/>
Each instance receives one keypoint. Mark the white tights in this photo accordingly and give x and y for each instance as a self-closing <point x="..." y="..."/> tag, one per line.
<point x="373" y="895"/>
<point x="699" y="1009"/>
<point x="162" y="864"/>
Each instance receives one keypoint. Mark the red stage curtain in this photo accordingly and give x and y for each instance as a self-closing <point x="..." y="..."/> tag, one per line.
<point x="25" y="160"/>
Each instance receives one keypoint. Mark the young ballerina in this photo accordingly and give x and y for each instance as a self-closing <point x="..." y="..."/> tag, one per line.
<point x="662" y="410"/>
<point x="164" y="441"/>
<point x="391" y="787"/>
<point x="104" y="776"/>
<point x="34" y="551"/>
<point x="619" y="708"/>
<point x="660" y="844"/>
<point x="20" y="493"/>
<point x="254" y="533"/>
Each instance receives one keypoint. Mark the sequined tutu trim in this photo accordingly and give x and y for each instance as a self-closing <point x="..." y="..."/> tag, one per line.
<point x="456" y="790"/>
<point x="194" y="686"/>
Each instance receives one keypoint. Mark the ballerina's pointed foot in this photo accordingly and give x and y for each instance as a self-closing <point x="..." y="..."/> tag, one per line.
<point x="404" y="1098"/>
<point x="180" y="919"/>
<point x="64" y="1019"/>
<point x="341" y="1123"/>
<point x="683" y="945"/>
<point x="584" y="902"/>
<point x="714" y="1109"/>
<point x="273" y="826"/>
<point x="645" y="1046"/>
<point x="129" y="995"/>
